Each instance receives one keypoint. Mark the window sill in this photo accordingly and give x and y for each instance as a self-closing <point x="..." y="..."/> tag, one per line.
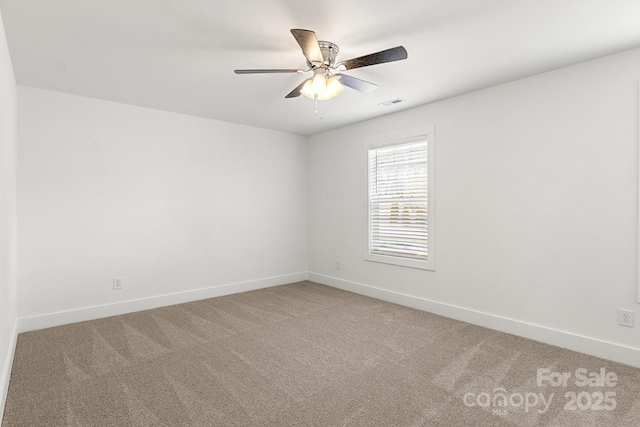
<point x="403" y="262"/>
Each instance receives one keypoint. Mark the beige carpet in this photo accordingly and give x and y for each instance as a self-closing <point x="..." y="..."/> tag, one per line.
<point x="304" y="355"/>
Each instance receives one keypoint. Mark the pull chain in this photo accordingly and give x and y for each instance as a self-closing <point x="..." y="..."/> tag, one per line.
<point x="319" y="115"/>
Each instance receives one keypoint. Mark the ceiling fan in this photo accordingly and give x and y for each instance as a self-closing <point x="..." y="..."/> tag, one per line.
<point x="328" y="81"/>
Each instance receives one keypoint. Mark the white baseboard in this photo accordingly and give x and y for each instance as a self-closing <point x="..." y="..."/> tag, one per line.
<point x="582" y="344"/>
<point x="48" y="320"/>
<point x="8" y="364"/>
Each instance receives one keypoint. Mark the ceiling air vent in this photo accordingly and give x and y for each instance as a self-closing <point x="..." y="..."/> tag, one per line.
<point x="392" y="102"/>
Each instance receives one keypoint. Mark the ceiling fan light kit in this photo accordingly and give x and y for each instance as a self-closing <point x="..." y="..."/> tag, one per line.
<point x="322" y="86"/>
<point x="321" y="60"/>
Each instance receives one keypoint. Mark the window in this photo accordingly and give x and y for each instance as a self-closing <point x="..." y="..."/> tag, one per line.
<point x="400" y="202"/>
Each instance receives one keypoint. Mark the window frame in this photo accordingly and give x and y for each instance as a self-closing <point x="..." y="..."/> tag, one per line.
<point x="401" y="138"/>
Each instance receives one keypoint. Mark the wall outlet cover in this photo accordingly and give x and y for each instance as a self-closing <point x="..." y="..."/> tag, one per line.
<point x="625" y="318"/>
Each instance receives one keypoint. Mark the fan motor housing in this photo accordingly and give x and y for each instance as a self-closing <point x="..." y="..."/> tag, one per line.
<point x="329" y="51"/>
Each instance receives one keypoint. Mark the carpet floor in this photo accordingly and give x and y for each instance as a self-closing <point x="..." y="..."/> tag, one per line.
<point x="306" y="355"/>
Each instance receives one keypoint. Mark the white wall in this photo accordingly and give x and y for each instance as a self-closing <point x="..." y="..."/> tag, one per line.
<point x="536" y="208"/>
<point x="171" y="203"/>
<point x="8" y="164"/>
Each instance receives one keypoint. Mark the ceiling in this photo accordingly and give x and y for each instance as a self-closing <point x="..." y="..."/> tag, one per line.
<point x="179" y="56"/>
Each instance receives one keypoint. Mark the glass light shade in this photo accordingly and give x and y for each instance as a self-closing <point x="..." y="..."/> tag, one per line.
<point x="319" y="83"/>
<point x="307" y="90"/>
<point x="333" y="89"/>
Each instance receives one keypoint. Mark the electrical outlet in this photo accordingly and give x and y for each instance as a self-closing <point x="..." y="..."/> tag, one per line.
<point x="338" y="264"/>
<point x="117" y="283"/>
<point x="625" y="318"/>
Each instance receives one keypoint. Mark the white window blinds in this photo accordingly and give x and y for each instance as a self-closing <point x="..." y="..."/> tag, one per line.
<point x="398" y="201"/>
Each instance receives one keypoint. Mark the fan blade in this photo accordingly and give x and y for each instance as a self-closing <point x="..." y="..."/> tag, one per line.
<point x="269" y="71"/>
<point x="357" y="84"/>
<point x="296" y="92"/>
<point x="394" y="54"/>
<point x="309" y="44"/>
